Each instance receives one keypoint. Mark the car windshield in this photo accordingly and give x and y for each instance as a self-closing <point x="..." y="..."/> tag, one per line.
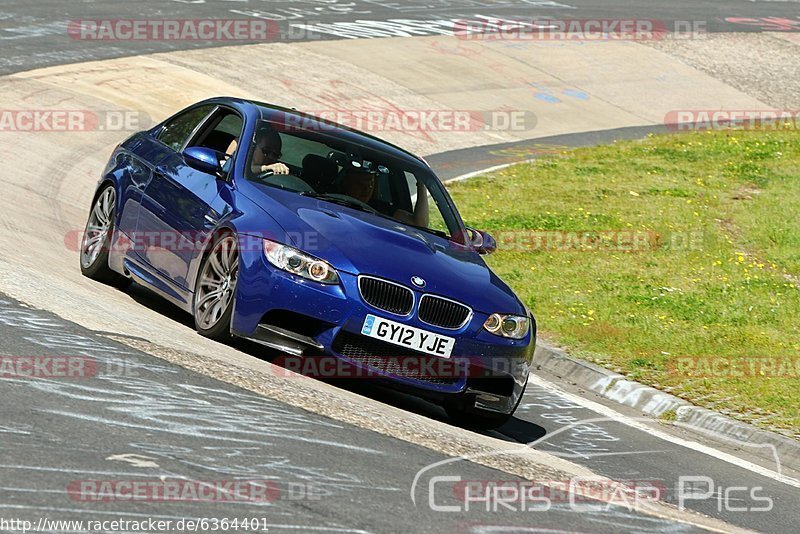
<point x="316" y="164"/>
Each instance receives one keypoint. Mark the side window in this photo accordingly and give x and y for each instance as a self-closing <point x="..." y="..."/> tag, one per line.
<point x="220" y="132"/>
<point x="177" y="130"/>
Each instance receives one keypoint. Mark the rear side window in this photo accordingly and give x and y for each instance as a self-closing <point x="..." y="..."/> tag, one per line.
<point x="178" y="130"/>
<point x="231" y="124"/>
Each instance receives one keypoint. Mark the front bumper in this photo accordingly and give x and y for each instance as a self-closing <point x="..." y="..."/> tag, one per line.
<point x="304" y="319"/>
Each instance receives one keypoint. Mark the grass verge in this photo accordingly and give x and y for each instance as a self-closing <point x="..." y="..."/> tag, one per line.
<point x="674" y="260"/>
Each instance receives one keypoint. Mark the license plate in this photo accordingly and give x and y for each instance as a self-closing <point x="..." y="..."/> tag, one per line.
<point x="408" y="336"/>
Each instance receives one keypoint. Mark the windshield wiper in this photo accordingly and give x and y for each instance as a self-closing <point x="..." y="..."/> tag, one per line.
<point x="430" y="230"/>
<point x="339" y="200"/>
<point x="367" y="208"/>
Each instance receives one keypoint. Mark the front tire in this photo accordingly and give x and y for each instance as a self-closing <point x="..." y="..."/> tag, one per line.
<point x="215" y="289"/>
<point x="487" y="421"/>
<point x="96" y="240"/>
<point x="463" y="417"/>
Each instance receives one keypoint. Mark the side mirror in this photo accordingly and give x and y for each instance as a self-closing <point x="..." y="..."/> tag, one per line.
<point x="482" y="241"/>
<point x="203" y="159"/>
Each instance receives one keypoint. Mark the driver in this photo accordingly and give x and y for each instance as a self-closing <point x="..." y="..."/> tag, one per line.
<point x="267" y="152"/>
<point x="359" y="183"/>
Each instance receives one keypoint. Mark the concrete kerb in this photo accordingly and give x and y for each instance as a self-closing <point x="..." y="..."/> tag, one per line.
<point x="654" y="403"/>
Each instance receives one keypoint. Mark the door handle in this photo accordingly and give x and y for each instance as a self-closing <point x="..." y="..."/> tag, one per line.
<point x="210" y="222"/>
<point x="160" y="170"/>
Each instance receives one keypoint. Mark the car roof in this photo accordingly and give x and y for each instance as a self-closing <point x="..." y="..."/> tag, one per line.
<point x="277" y="114"/>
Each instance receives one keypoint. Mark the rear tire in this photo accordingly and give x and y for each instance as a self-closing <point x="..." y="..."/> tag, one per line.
<point x="216" y="288"/>
<point x="96" y="242"/>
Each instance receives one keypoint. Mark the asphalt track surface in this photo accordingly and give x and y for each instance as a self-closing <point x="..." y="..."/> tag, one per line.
<point x="458" y="163"/>
<point x="129" y="416"/>
<point x="134" y="417"/>
<point x="142" y="418"/>
<point x="34" y="34"/>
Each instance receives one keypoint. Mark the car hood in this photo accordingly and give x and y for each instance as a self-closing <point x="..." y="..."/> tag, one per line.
<point x="362" y="243"/>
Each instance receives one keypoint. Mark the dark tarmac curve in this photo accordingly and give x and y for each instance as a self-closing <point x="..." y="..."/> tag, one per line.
<point x="33" y="34"/>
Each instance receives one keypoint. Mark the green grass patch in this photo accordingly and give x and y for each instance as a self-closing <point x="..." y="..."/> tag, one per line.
<point x="716" y="275"/>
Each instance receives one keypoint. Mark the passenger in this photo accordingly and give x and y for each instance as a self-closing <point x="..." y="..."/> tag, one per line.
<point x="227" y="160"/>
<point x="231" y="150"/>
<point x="360" y="184"/>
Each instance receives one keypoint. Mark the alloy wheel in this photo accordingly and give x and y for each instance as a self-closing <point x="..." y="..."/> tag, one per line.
<point x="217" y="282"/>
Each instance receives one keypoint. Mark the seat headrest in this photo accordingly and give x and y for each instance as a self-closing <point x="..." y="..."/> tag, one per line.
<point x="319" y="172"/>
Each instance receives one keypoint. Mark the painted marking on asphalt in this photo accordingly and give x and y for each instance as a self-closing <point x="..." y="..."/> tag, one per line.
<point x="473" y="174"/>
<point x="134" y="459"/>
<point x="654" y="432"/>
<point x="10" y="430"/>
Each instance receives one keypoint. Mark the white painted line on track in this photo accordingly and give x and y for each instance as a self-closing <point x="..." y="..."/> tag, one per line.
<point x="487" y="170"/>
<point x="614" y="415"/>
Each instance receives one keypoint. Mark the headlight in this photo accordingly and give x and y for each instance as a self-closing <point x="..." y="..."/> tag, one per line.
<point x="512" y="326"/>
<point x="296" y="262"/>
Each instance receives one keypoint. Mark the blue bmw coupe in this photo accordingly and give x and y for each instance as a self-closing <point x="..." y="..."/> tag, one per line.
<point x="319" y="241"/>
